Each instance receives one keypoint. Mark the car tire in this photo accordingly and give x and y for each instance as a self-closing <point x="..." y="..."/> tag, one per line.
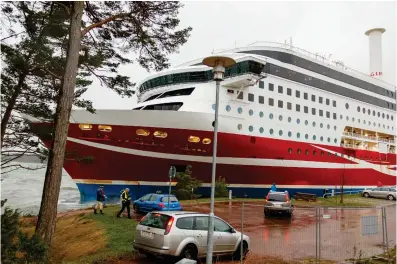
<point x="390" y="197"/>
<point x="136" y="208"/>
<point x="366" y="195"/>
<point x="237" y="253"/>
<point x="189" y="252"/>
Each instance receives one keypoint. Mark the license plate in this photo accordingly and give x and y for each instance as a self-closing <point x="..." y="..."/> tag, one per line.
<point x="147" y="234"/>
<point x="277" y="205"/>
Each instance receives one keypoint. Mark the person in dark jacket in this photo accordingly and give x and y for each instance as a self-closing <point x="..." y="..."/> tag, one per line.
<point x="100" y="198"/>
<point x="126" y="201"/>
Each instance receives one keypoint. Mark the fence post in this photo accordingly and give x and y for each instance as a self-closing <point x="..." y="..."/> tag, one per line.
<point x="242" y="230"/>
<point x="319" y="235"/>
<point x="385" y="238"/>
<point x="317" y="240"/>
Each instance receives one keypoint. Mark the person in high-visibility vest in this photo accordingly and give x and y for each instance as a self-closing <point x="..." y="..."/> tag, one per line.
<point x="126" y="201"/>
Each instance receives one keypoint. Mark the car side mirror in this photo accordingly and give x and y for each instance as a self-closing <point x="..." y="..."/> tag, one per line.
<point x="140" y="200"/>
<point x="232" y="230"/>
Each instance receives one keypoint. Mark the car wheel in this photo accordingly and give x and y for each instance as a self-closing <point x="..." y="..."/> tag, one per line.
<point x="390" y="197"/>
<point x="237" y="253"/>
<point x="366" y="195"/>
<point x="189" y="252"/>
<point x="136" y="208"/>
<point x="150" y="256"/>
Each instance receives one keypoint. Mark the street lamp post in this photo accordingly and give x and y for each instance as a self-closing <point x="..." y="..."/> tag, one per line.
<point x="218" y="63"/>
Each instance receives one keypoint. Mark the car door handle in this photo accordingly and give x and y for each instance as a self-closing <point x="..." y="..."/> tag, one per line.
<point x="199" y="235"/>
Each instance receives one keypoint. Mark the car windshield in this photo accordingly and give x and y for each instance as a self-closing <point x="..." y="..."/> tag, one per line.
<point x="276" y="197"/>
<point x="155" y="220"/>
<point x="172" y="199"/>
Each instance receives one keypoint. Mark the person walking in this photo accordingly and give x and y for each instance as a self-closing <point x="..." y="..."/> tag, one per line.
<point x="100" y="198"/>
<point x="273" y="188"/>
<point x="126" y="201"/>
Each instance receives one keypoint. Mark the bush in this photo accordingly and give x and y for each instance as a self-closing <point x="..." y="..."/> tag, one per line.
<point x="221" y="187"/>
<point x="17" y="247"/>
<point x="186" y="184"/>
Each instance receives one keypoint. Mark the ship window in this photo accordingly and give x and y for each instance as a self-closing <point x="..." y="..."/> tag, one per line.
<point x="261" y="99"/>
<point x="313" y="98"/>
<point x="271" y="101"/>
<point x="306" y="152"/>
<point x="297" y="94"/>
<point x="347" y="106"/>
<point x="306" y="122"/>
<point x="280" y="89"/>
<point x="314" y="124"/>
<point x="320" y="112"/>
<point x="271" y="131"/>
<point x="289" y="134"/>
<point x="228" y="108"/>
<point x="329" y="154"/>
<point x="335" y="141"/>
<point x="261" y="114"/>
<point x="321" y="139"/>
<point x="391" y="117"/>
<point x="341" y="117"/>
<point x="280" y="133"/>
<point x="213" y="106"/>
<point x="313" y="111"/>
<point x="369" y="112"/>
<point x="251" y="128"/>
<point x="298" y="151"/>
<point x="261" y="84"/>
<point x="289" y="119"/>
<point x="365" y="122"/>
<point x="104" y="128"/>
<point x="271" y="87"/>
<point x="322" y="152"/>
<point x="280" y="104"/>
<point x="335" y="128"/>
<point x="298" y="108"/>
<point x="271" y="116"/>
<point x="261" y="129"/>
<point x="334" y="103"/>
<point x="85" y="126"/>
<point x="165" y="106"/>
<point x="289" y="106"/>
<point x="240" y="110"/>
<point x="298" y="121"/>
<point x="240" y="96"/>
<point x="251" y="112"/>
<point x="373" y="113"/>
<point x="378" y="114"/>
<point x="206" y="141"/>
<point x="180" y="92"/>
<point x="387" y="116"/>
<point x="328" y="126"/>
<point x="353" y="119"/>
<point x="314" y="137"/>
<point x="298" y="135"/>
<point x="314" y="153"/>
<point x="280" y="117"/>
<point x="250" y="97"/>
<point x="334" y="116"/>
<point x="364" y="110"/>
<point x="240" y="126"/>
<point x="327" y="101"/>
<point x="160" y="134"/>
<point x="321" y="125"/>
<point x="289" y="91"/>
<point x="305" y="96"/>
<point x="306" y="109"/>
<point x="328" y="114"/>
<point x="306" y="136"/>
<point x="290" y="150"/>
<point x="194" y="139"/>
<point x="320" y="100"/>
<point x="142" y="132"/>
<point x="358" y="109"/>
<point x="329" y="140"/>
<point x="383" y="115"/>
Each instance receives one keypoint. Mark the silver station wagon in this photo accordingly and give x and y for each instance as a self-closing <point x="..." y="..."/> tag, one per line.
<point x="184" y="235"/>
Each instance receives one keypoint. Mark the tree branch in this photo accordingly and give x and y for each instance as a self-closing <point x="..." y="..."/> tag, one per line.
<point x="13" y="35"/>
<point x="67" y="10"/>
<point x="100" y="23"/>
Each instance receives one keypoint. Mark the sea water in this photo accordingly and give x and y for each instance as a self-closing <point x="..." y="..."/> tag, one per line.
<point x="23" y="190"/>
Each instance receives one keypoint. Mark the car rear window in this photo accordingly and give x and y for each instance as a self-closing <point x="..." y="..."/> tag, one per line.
<point x="275" y="197"/>
<point x="172" y="199"/>
<point x="155" y="220"/>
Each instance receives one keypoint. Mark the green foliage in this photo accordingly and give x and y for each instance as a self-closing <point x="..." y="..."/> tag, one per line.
<point x="186" y="184"/>
<point x="17" y="247"/>
<point x="221" y="187"/>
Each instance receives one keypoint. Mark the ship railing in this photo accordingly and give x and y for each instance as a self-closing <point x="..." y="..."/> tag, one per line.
<point x="374" y="138"/>
<point x="352" y="146"/>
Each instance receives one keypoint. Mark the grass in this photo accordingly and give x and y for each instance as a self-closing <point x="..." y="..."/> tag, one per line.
<point x="349" y="200"/>
<point x="219" y="200"/>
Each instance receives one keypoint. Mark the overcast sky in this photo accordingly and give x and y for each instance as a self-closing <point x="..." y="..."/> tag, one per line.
<point x="335" y="28"/>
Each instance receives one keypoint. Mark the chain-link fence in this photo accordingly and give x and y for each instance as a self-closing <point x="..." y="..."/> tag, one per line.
<point x="314" y="235"/>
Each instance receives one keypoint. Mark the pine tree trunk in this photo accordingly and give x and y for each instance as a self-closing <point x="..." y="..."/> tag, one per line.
<point x="10" y="106"/>
<point x="48" y="210"/>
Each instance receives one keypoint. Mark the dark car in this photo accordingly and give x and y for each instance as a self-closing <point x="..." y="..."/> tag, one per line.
<point x="156" y="202"/>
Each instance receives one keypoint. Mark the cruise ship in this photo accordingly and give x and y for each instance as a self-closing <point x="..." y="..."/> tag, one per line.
<point x="286" y="116"/>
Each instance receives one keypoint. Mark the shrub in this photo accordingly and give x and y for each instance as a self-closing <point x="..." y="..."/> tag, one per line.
<point x="221" y="187"/>
<point x="186" y="184"/>
<point x="17" y="247"/>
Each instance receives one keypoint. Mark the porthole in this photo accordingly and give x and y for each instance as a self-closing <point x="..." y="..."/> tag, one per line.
<point x="306" y="136"/>
<point x="280" y="117"/>
<point x="194" y="139"/>
<point x="387" y="116"/>
<point x="261" y="114"/>
<point x="85" y="126"/>
<point x="364" y="122"/>
<point x="341" y="116"/>
<point x="364" y="110"/>
<point x="261" y="129"/>
<point x="359" y="120"/>
<point x="104" y="128"/>
<point x="347" y="106"/>
<point x="271" y="116"/>
<point x="314" y="153"/>
<point x="213" y="107"/>
<point x="298" y="135"/>
<point x="353" y="119"/>
<point x="251" y="128"/>
<point x="228" y="108"/>
<point x="328" y="126"/>
<point x="206" y="141"/>
<point x="160" y="134"/>
<point x="251" y="112"/>
<point x="142" y="132"/>
<point x="347" y="118"/>
<point x="289" y="119"/>
<point x="369" y="123"/>
<point x="289" y="134"/>
<point x="240" y="110"/>
<point x="290" y="150"/>
<point x="329" y="154"/>
<point x="306" y="152"/>
<point x="373" y="112"/>
<point x="298" y="151"/>
<point x="271" y="131"/>
<point x="321" y="125"/>
<point x="335" y="128"/>
<point x="321" y="138"/>
<point x="306" y="122"/>
<point x="335" y="141"/>
<point x="358" y="109"/>
<point x="314" y="124"/>
<point x="314" y="137"/>
<point x="240" y="126"/>
<point x="298" y="121"/>
<point x="322" y="153"/>
<point x="280" y="133"/>
<point x="383" y="115"/>
<point x="329" y="139"/>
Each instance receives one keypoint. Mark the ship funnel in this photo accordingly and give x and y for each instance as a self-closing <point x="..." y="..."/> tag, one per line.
<point x="375" y="51"/>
